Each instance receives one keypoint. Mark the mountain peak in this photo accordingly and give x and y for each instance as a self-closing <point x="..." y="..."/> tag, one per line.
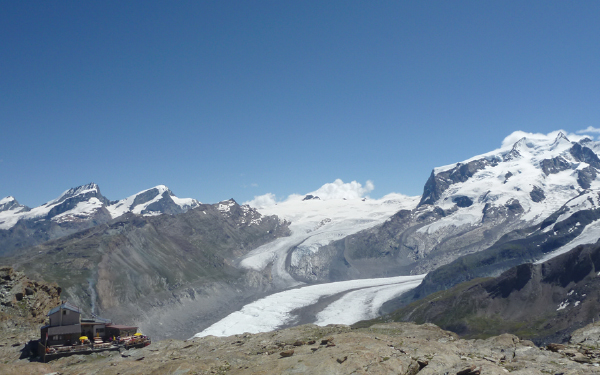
<point x="561" y="137"/>
<point x="154" y="201"/>
<point x="162" y="188"/>
<point x="79" y="190"/>
<point x="520" y="143"/>
<point x="10" y="203"/>
<point x="8" y="199"/>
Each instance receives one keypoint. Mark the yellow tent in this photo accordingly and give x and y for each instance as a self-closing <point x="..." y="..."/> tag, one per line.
<point x="137" y="334"/>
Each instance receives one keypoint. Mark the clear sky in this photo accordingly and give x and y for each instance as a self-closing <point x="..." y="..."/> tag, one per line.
<point x="241" y="98"/>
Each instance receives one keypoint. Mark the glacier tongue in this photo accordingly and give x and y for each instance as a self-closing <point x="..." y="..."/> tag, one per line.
<point x="277" y="309"/>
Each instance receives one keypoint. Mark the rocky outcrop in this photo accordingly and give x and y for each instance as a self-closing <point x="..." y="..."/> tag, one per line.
<point x="585" y="176"/>
<point x="23" y="307"/>
<point x="309" y="197"/>
<point x="23" y="300"/>
<point x="585" y="154"/>
<point x="439" y="182"/>
<point x="554" y="165"/>
<point x="462" y="201"/>
<point x="537" y="194"/>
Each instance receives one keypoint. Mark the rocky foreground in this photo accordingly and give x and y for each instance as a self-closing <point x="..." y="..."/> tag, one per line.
<point x="393" y="348"/>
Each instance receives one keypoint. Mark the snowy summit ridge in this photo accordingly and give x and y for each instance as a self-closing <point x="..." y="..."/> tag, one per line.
<point x="541" y="173"/>
<point x="154" y="201"/>
<point x="86" y="203"/>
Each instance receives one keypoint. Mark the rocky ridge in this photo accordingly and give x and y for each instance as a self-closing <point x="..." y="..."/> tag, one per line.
<point x="22" y="299"/>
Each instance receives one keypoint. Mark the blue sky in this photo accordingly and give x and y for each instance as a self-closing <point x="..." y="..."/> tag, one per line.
<point x="236" y="99"/>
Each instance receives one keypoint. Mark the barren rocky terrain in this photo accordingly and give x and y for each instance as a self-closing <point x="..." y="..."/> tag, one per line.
<point x="394" y="348"/>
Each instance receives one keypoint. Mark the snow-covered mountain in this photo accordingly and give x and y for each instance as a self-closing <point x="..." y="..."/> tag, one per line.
<point x="540" y="190"/>
<point x="86" y="201"/>
<point x="76" y="204"/>
<point x="514" y="187"/>
<point x="541" y="175"/>
<point x="76" y="209"/>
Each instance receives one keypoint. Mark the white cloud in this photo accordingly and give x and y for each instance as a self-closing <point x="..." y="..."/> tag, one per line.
<point x="589" y="129"/>
<point x="515" y="136"/>
<point x="337" y="189"/>
<point x="265" y="200"/>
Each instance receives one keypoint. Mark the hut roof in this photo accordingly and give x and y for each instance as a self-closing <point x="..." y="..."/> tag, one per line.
<point x="64" y="306"/>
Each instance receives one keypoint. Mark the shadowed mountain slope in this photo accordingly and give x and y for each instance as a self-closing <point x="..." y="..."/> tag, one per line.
<point x="544" y="302"/>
